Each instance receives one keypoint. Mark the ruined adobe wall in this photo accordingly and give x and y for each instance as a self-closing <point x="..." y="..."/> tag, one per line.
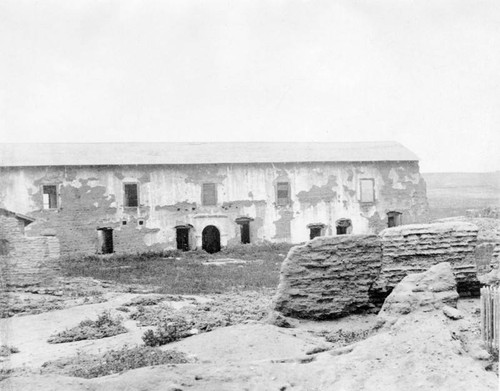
<point x="414" y="248"/>
<point x="25" y="260"/>
<point x="329" y="277"/>
<point x="334" y="276"/>
<point x="92" y="197"/>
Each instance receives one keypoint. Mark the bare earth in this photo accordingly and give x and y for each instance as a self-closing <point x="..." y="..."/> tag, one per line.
<point x="420" y="352"/>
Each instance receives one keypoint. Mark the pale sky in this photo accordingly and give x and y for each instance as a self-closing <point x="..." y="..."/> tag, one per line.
<point x="425" y="73"/>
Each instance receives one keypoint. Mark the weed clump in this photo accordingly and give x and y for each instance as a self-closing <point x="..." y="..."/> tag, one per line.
<point x="169" y="330"/>
<point x="6" y="350"/>
<point x="104" y="326"/>
<point x="345" y="337"/>
<point x="114" y="361"/>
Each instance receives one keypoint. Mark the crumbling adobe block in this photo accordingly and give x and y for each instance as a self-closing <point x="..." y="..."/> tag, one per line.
<point x="329" y="277"/>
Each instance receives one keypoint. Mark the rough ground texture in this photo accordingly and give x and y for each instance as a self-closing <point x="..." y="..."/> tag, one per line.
<point x="426" y="291"/>
<point x="414" y="248"/>
<point x="421" y="349"/>
<point x="328" y="277"/>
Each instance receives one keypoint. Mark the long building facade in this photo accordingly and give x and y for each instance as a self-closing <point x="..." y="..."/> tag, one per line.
<point x="104" y="198"/>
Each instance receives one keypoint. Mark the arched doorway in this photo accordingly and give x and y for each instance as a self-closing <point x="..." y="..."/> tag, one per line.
<point x="210" y="239"/>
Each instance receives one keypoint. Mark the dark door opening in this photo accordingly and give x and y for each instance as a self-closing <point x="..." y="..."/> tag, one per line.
<point x="245" y="232"/>
<point x="210" y="239"/>
<point x="105" y="236"/>
<point x="341" y="230"/>
<point x="183" y="239"/>
<point x="315" y="231"/>
<point x="393" y="219"/>
<point x="343" y="226"/>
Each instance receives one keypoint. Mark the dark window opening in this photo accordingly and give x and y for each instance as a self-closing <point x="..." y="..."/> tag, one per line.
<point x="394" y="219"/>
<point x="315" y="232"/>
<point x="343" y="226"/>
<point x="124" y="222"/>
<point x="131" y="198"/>
<point x="50" y="197"/>
<point x="209" y="194"/>
<point x="182" y="239"/>
<point x="105" y="237"/>
<point x="367" y="190"/>
<point x="210" y="239"/>
<point x="245" y="232"/>
<point x="282" y="193"/>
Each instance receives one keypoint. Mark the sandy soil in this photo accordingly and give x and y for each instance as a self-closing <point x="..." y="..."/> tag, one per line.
<point x="420" y="352"/>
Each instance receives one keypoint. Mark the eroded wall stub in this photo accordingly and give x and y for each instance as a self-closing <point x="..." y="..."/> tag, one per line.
<point x="329" y="277"/>
<point x="414" y="248"/>
<point x="25" y="260"/>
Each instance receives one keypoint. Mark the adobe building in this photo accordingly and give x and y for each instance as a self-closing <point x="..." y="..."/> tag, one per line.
<point x="134" y="197"/>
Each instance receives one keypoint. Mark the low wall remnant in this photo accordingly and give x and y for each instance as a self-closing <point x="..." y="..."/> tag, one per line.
<point x="329" y="276"/>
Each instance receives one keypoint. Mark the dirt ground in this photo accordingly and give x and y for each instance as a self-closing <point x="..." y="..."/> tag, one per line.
<point x="430" y="353"/>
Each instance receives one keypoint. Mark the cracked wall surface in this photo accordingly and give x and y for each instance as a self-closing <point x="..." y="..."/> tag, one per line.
<point x="90" y="197"/>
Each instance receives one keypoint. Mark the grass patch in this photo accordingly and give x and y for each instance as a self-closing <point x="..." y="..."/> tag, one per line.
<point x="104" y="326"/>
<point x="114" y="361"/>
<point x="222" y="311"/>
<point x="176" y="272"/>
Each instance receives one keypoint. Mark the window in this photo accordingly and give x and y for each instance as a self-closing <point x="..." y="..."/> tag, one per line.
<point x="367" y="190"/>
<point x="394" y="219"/>
<point x="282" y="193"/>
<point x="209" y="194"/>
<point x="49" y="196"/>
<point x="131" y="198"/>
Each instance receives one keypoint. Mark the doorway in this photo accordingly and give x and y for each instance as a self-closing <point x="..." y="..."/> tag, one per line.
<point x="343" y="226"/>
<point x="210" y="239"/>
<point x="182" y="238"/>
<point x="245" y="232"/>
<point x="105" y="238"/>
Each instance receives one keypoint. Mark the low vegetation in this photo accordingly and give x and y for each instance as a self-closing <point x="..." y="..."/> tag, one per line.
<point x="114" y="361"/>
<point x="221" y="311"/>
<point x="6" y="350"/>
<point x="346" y="337"/>
<point x="177" y="272"/>
<point x="104" y="326"/>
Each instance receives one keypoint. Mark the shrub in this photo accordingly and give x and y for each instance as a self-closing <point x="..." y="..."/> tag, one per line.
<point x="6" y="350"/>
<point x="343" y="338"/>
<point x="114" y="361"/>
<point x="104" y="326"/>
<point x="169" y="330"/>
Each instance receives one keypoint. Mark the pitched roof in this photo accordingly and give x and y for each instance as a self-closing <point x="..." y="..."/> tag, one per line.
<point x="60" y="154"/>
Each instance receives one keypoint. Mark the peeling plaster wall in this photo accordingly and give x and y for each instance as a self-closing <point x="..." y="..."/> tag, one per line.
<point x="92" y="197"/>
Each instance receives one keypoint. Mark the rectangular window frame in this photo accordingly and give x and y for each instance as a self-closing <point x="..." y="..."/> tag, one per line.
<point x="209" y="194"/>
<point x="372" y="199"/>
<point x="280" y="187"/>
<point x="126" y="198"/>
<point x="47" y="205"/>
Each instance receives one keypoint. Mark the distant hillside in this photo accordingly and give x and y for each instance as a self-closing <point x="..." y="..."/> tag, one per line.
<point x="451" y="194"/>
